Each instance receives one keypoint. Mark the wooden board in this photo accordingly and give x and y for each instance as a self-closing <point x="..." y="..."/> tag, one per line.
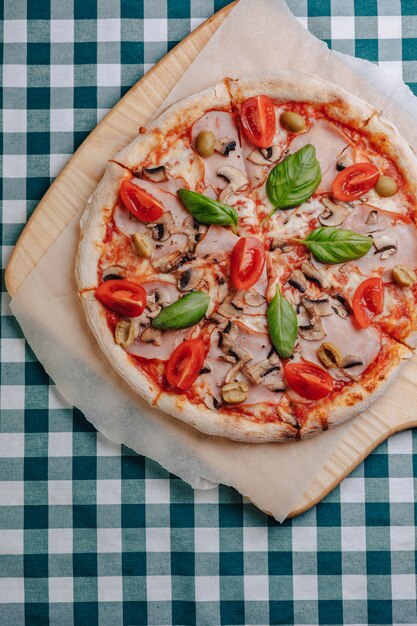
<point x="74" y="185"/>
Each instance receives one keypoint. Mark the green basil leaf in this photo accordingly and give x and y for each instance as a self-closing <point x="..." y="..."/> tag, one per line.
<point x="185" y="312"/>
<point x="336" y="245"/>
<point x="293" y="180"/>
<point x="282" y="325"/>
<point x="208" y="211"/>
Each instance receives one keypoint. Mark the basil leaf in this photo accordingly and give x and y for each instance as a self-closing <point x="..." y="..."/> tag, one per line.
<point x="282" y="325"/>
<point x="185" y="312"/>
<point x="336" y="245"/>
<point x="293" y="180"/>
<point x="208" y="211"/>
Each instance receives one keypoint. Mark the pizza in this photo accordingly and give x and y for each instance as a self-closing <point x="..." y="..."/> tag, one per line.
<point x="247" y="264"/>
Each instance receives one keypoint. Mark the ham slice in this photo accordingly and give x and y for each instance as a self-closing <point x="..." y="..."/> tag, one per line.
<point x="218" y="241"/>
<point x="170" y="339"/>
<point x="222" y="124"/>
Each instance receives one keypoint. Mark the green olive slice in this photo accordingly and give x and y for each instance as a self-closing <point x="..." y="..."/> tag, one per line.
<point x="404" y="276"/>
<point x="329" y="355"/>
<point x="206" y="142"/>
<point x="294" y="122"/>
<point x="386" y="186"/>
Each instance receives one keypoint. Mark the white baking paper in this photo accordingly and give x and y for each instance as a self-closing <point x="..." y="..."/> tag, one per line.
<point x="258" y="36"/>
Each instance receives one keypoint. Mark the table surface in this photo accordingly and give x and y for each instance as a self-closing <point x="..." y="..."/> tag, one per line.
<point x="90" y="532"/>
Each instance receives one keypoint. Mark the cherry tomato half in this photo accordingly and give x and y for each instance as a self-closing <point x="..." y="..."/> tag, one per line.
<point x="355" y="180"/>
<point x="258" y="119"/>
<point x="308" y="380"/>
<point x="185" y="363"/>
<point x="368" y="300"/>
<point x="123" y="297"/>
<point x="140" y="203"/>
<point x="247" y="262"/>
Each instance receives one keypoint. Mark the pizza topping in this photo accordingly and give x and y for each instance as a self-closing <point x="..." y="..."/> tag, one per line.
<point x="293" y="180"/>
<point x="314" y="274"/>
<point x="142" y="245"/>
<point x="161" y="230"/>
<point x="308" y="380"/>
<point x="368" y="300"/>
<point x="123" y="297"/>
<point x="372" y="218"/>
<point x="253" y="298"/>
<point x="282" y="324"/>
<point x="140" y="203"/>
<point x="386" y="186"/>
<point x="265" y="156"/>
<point x="185" y="312"/>
<point x="235" y="392"/>
<point x="258" y="120"/>
<point x="404" y="276"/>
<point x="334" y="214"/>
<point x="185" y="363"/>
<point x="152" y="335"/>
<point x="354" y="181"/>
<point x="229" y="310"/>
<point x="114" y="272"/>
<point x="294" y="122"/>
<point x="190" y="278"/>
<point x="247" y="262"/>
<point x="155" y="174"/>
<point x="351" y="360"/>
<point x="329" y="355"/>
<point x="327" y="138"/>
<point x="314" y="330"/>
<point x="320" y="306"/>
<point x="340" y="309"/>
<point x="237" y="181"/>
<point x="166" y="264"/>
<point x="298" y="280"/>
<point x="386" y="245"/>
<point x="225" y="145"/>
<point x="207" y="210"/>
<point x="335" y="245"/>
<point x="206" y="142"/>
<point x="124" y="333"/>
<point x="218" y="242"/>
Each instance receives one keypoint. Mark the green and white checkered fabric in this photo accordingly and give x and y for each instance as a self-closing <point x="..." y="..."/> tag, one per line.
<point x="91" y="533"/>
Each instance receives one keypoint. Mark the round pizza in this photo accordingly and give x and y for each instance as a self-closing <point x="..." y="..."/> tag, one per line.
<point x="247" y="264"/>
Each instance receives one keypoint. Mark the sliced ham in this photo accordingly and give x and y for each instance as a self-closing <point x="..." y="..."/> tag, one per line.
<point x="328" y="140"/>
<point x="218" y="241"/>
<point x="222" y="124"/>
<point x="170" y="339"/>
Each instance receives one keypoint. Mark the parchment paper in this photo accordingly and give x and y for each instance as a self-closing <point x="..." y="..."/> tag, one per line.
<point x="256" y="37"/>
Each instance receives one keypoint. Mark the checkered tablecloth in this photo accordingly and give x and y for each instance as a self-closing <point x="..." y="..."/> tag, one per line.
<point x="91" y="533"/>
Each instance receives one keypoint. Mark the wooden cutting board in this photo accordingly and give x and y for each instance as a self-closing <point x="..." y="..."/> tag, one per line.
<point x="78" y="179"/>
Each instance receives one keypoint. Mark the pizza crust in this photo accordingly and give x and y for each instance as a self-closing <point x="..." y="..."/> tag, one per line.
<point x="339" y="105"/>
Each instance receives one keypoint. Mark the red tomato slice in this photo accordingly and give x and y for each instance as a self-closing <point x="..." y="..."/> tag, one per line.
<point x="355" y="180"/>
<point x="140" y="203"/>
<point x="185" y="363"/>
<point x="308" y="380"/>
<point x="123" y="297"/>
<point x="258" y="119"/>
<point x="368" y="300"/>
<point x="247" y="262"/>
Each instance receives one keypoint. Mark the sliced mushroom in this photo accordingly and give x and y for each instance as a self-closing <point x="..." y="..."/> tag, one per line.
<point x="253" y="298"/>
<point x="386" y="245"/>
<point x="273" y="357"/>
<point x="351" y="360"/>
<point x="152" y="335"/>
<point x="313" y="274"/>
<point x="319" y="306"/>
<point x="124" y="333"/>
<point x="237" y="181"/>
<point x="161" y="230"/>
<point x="225" y="145"/>
<point x="167" y="263"/>
<point x="334" y="214"/>
<point x="155" y="174"/>
<point x="340" y="309"/>
<point x="265" y="156"/>
<point x="160" y="296"/>
<point x="142" y="245"/>
<point x="274" y="381"/>
<point x="372" y="218"/>
<point x="190" y="278"/>
<point x="114" y="272"/>
<point x="257" y="371"/>
<point x="281" y="244"/>
<point x="227" y="337"/>
<point x="298" y="280"/>
<point x="314" y="331"/>
<point x="230" y="310"/>
<point x="235" y="392"/>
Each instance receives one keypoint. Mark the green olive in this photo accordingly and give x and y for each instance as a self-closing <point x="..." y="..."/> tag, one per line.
<point x="206" y="142"/>
<point x="386" y="186"/>
<point x="294" y="122"/>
